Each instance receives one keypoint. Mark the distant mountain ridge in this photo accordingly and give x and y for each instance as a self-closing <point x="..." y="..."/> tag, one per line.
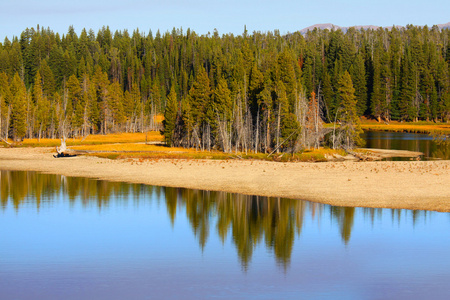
<point x="330" y="26"/>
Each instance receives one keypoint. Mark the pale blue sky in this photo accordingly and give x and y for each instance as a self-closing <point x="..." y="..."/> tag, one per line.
<point x="203" y="16"/>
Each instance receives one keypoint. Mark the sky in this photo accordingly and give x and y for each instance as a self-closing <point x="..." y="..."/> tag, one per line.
<point x="203" y="16"/>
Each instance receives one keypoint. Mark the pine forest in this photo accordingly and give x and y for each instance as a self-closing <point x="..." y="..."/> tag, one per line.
<point x="258" y="92"/>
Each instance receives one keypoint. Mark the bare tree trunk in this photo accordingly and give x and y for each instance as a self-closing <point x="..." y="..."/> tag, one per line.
<point x="152" y="117"/>
<point x="209" y="137"/>
<point x="39" y="134"/>
<point x="301" y="109"/>
<point x="278" y="127"/>
<point x="1" y="129"/>
<point x="248" y="131"/>
<point x="8" y="119"/>
<point x="257" y="132"/>
<point x="29" y="122"/>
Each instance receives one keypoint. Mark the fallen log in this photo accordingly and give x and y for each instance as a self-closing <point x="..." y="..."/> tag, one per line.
<point x="6" y="142"/>
<point x="64" y="154"/>
<point x="389" y="153"/>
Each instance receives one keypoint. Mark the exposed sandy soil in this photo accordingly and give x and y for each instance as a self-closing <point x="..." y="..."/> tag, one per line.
<point x="410" y="185"/>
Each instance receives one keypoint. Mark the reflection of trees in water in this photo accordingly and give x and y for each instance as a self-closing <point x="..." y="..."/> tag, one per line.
<point x="248" y="220"/>
<point x="35" y="188"/>
<point x="21" y="187"/>
<point x="443" y="152"/>
<point x="344" y="217"/>
<point x="443" y="145"/>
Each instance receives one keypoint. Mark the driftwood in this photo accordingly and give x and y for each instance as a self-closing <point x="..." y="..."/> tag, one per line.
<point x="63" y="151"/>
<point x="64" y="154"/>
<point x="6" y="142"/>
<point x="63" y="147"/>
<point x="85" y="137"/>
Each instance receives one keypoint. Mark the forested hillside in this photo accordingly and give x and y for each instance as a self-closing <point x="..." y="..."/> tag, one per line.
<point x="255" y="91"/>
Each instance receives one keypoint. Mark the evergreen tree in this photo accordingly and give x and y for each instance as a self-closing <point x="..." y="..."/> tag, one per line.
<point x="350" y="123"/>
<point x="115" y="103"/>
<point x="19" y="95"/>
<point x="287" y="75"/>
<point x="328" y="96"/>
<point x="386" y="88"/>
<point x="42" y="106"/>
<point x="397" y="74"/>
<point x="358" y="73"/>
<point x="222" y="100"/>
<point x="376" y="99"/>
<point x="407" y="102"/>
<point x="287" y="125"/>
<point x="199" y="96"/>
<point x="5" y="106"/>
<point x="75" y="107"/>
<point x="256" y="86"/>
<point x="170" y="117"/>
<point x="48" y="79"/>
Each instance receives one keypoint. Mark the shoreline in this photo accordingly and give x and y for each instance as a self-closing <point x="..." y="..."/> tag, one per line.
<point x="422" y="185"/>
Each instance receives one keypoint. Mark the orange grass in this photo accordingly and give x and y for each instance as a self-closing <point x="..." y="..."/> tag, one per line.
<point x="142" y="151"/>
<point x="128" y="147"/>
<point x="152" y="136"/>
<point x="168" y="154"/>
<point x="40" y="143"/>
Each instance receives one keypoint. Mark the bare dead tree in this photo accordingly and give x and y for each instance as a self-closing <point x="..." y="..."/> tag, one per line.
<point x="314" y="124"/>
<point x="278" y="128"/>
<point x="257" y="132"/>
<point x="301" y="110"/>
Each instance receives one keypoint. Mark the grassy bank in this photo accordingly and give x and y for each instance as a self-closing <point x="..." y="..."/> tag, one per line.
<point x="149" y="145"/>
<point x="414" y="127"/>
<point x="146" y="151"/>
<point x="98" y="139"/>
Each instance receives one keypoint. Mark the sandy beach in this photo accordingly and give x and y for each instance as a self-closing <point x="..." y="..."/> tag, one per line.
<point x="421" y="185"/>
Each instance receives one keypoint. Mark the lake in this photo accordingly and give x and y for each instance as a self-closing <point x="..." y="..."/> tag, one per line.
<point x="78" y="238"/>
<point x="407" y="141"/>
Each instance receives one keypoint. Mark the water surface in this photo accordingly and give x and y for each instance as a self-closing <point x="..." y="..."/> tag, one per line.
<point x="77" y="238"/>
<point x="419" y="142"/>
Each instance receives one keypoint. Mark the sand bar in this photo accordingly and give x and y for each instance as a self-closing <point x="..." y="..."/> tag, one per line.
<point x="421" y="185"/>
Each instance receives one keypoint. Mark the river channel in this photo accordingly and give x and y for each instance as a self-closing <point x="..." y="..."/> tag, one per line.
<point x="78" y="238"/>
<point x="417" y="142"/>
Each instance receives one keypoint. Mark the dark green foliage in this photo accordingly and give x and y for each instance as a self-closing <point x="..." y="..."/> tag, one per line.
<point x="350" y="124"/>
<point x="287" y="120"/>
<point x="228" y="87"/>
<point x="19" y="100"/>
<point x="200" y="95"/>
<point x="377" y="97"/>
<point x="358" y="73"/>
<point x="170" y="117"/>
<point x="222" y="103"/>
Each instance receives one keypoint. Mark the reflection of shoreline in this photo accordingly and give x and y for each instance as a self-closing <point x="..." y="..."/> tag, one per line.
<point x="249" y="220"/>
<point x="432" y="146"/>
<point x="407" y="185"/>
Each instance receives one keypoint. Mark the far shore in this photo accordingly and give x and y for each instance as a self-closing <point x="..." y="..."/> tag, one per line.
<point x="423" y="185"/>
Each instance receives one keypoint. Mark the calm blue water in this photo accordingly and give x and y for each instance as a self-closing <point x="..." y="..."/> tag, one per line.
<point x="75" y="238"/>
<point x="419" y="142"/>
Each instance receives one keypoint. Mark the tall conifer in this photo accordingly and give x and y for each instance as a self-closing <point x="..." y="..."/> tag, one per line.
<point x="350" y="122"/>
